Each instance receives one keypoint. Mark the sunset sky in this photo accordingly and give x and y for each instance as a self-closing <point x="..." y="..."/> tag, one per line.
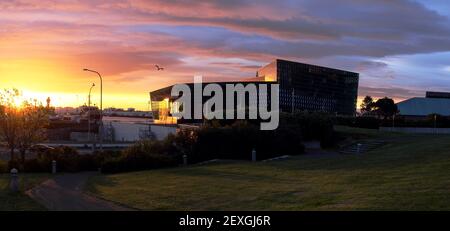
<point x="400" y="48"/>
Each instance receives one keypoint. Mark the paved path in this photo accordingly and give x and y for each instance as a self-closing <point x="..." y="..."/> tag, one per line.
<point x="64" y="193"/>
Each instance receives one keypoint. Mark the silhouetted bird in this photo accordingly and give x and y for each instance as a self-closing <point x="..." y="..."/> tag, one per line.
<point x="159" y="68"/>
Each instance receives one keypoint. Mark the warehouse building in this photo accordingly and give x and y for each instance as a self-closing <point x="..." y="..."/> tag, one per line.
<point x="432" y="103"/>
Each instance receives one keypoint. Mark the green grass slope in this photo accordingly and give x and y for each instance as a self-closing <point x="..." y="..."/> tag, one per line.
<point x="19" y="201"/>
<point x="412" y="172"/>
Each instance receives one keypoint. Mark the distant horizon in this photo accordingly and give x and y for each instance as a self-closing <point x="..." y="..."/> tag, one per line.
<point x="42" y="97"/>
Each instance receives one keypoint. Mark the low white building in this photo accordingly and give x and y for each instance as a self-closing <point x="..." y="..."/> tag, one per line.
<point x="118" y="129"/>
<point x="130" y="112"/>
<point x="433" y="103"/>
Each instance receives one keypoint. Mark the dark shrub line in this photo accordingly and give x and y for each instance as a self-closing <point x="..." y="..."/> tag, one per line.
<point x="211" y="141"/>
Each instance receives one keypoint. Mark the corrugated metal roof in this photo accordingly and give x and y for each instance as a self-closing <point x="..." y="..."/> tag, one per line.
<point x="424" y="106"/>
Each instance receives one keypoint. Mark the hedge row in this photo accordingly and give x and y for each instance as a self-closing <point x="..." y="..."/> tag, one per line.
<point x="399" y="121"/>
<point x="3" y="166"/>
<point x="68" y="160"/>
<point x="238" y="141"/>
<point x="359" y="122"/>
<point x="211" y="141"/>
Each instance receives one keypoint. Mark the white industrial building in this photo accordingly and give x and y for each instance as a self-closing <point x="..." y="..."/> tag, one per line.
<point x="133" y="129"/>
<point x="433" y="103"/>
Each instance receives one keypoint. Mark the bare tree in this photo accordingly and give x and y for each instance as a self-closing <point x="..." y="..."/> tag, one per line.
<point x="32" y="122"/>
<point x="9" y="119"/>
<point x="20" y="126"/>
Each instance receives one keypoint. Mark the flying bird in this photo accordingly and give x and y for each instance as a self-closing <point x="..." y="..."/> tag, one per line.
<point x="159" y="68"/>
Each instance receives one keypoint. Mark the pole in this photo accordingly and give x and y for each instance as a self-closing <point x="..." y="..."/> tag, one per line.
<point x="253" y="155"/>
<point x="435" y="130"/>
<point x="53" y="166"/>
<point x="393" y="122"/>
<point x="89" y="124"/>
<point x="185" y="160"/>
<point x="101" y="107"/>
<point x="89" y="113"/>
<point x="101" y="112"/>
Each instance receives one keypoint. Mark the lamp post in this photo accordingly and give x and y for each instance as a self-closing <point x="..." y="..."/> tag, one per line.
<point x="393" y="122"/>
<point x="435" y="130"/>
<point x="101" y="107"/>
<point x="89" y="113"/>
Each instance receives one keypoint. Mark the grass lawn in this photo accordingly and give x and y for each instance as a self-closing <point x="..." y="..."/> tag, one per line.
<point x="412" y="172"/>
<point x="19" y="201"/>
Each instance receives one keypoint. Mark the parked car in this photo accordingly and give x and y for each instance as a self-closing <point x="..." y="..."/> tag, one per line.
<point x="40" y="148"/>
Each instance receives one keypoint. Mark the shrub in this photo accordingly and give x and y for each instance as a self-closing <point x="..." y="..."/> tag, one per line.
<point x="429" y="121"/>
<point x="213" y="140"/>
<point x="287" y="141"/>
<point x="67" y="160"/>
<point x="366" y="122"/>
<point x="141" y="156"/>
<point x="36" y="165"/>
<point x="312" y="125"/>
<point x="15" y="164"/>
<point x="345" y="120"/>
<point x="238" y="140"/>
<point x="89" y="162"/>
<point x="359" y="121"/>
<point x="3" y="167"/>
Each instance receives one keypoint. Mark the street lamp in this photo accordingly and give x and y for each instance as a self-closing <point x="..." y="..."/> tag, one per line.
<point x="101" y="106"/>
<point x="435" y="130"/>
<point x="393" y="122"/>
<point x="89" y="113"/>
<point x="89" y="97"/>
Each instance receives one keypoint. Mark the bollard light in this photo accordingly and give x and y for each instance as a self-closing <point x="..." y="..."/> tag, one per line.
<point x="185" y="160"/>
<point x="253" y="155"/>
<point x="54" y="167"/>
<point x="14" y="184"/>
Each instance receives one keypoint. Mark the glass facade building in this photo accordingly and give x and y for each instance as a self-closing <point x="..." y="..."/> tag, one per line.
<point x="163" y="104"/>
<point x="305" y="87"/>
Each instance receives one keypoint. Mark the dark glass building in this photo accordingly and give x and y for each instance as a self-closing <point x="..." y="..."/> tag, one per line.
<point x="303" y="87"/>
<point x="163" y="104"/>
<point x="313" y="88"/>
<point x="435" y="94"/>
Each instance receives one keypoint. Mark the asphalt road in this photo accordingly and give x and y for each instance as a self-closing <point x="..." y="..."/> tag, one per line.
<point x="65" y="193"/>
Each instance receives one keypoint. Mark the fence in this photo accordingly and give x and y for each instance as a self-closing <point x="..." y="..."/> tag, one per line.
<point x="416" y="130"/>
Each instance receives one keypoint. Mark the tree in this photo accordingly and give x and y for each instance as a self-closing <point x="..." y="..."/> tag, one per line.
<point x="21" y="126"/>
<point x="32" y="122"/>
<point x="9" y="119"/>
<point x="367" y="104"/>
<point x="385" y="107"/>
